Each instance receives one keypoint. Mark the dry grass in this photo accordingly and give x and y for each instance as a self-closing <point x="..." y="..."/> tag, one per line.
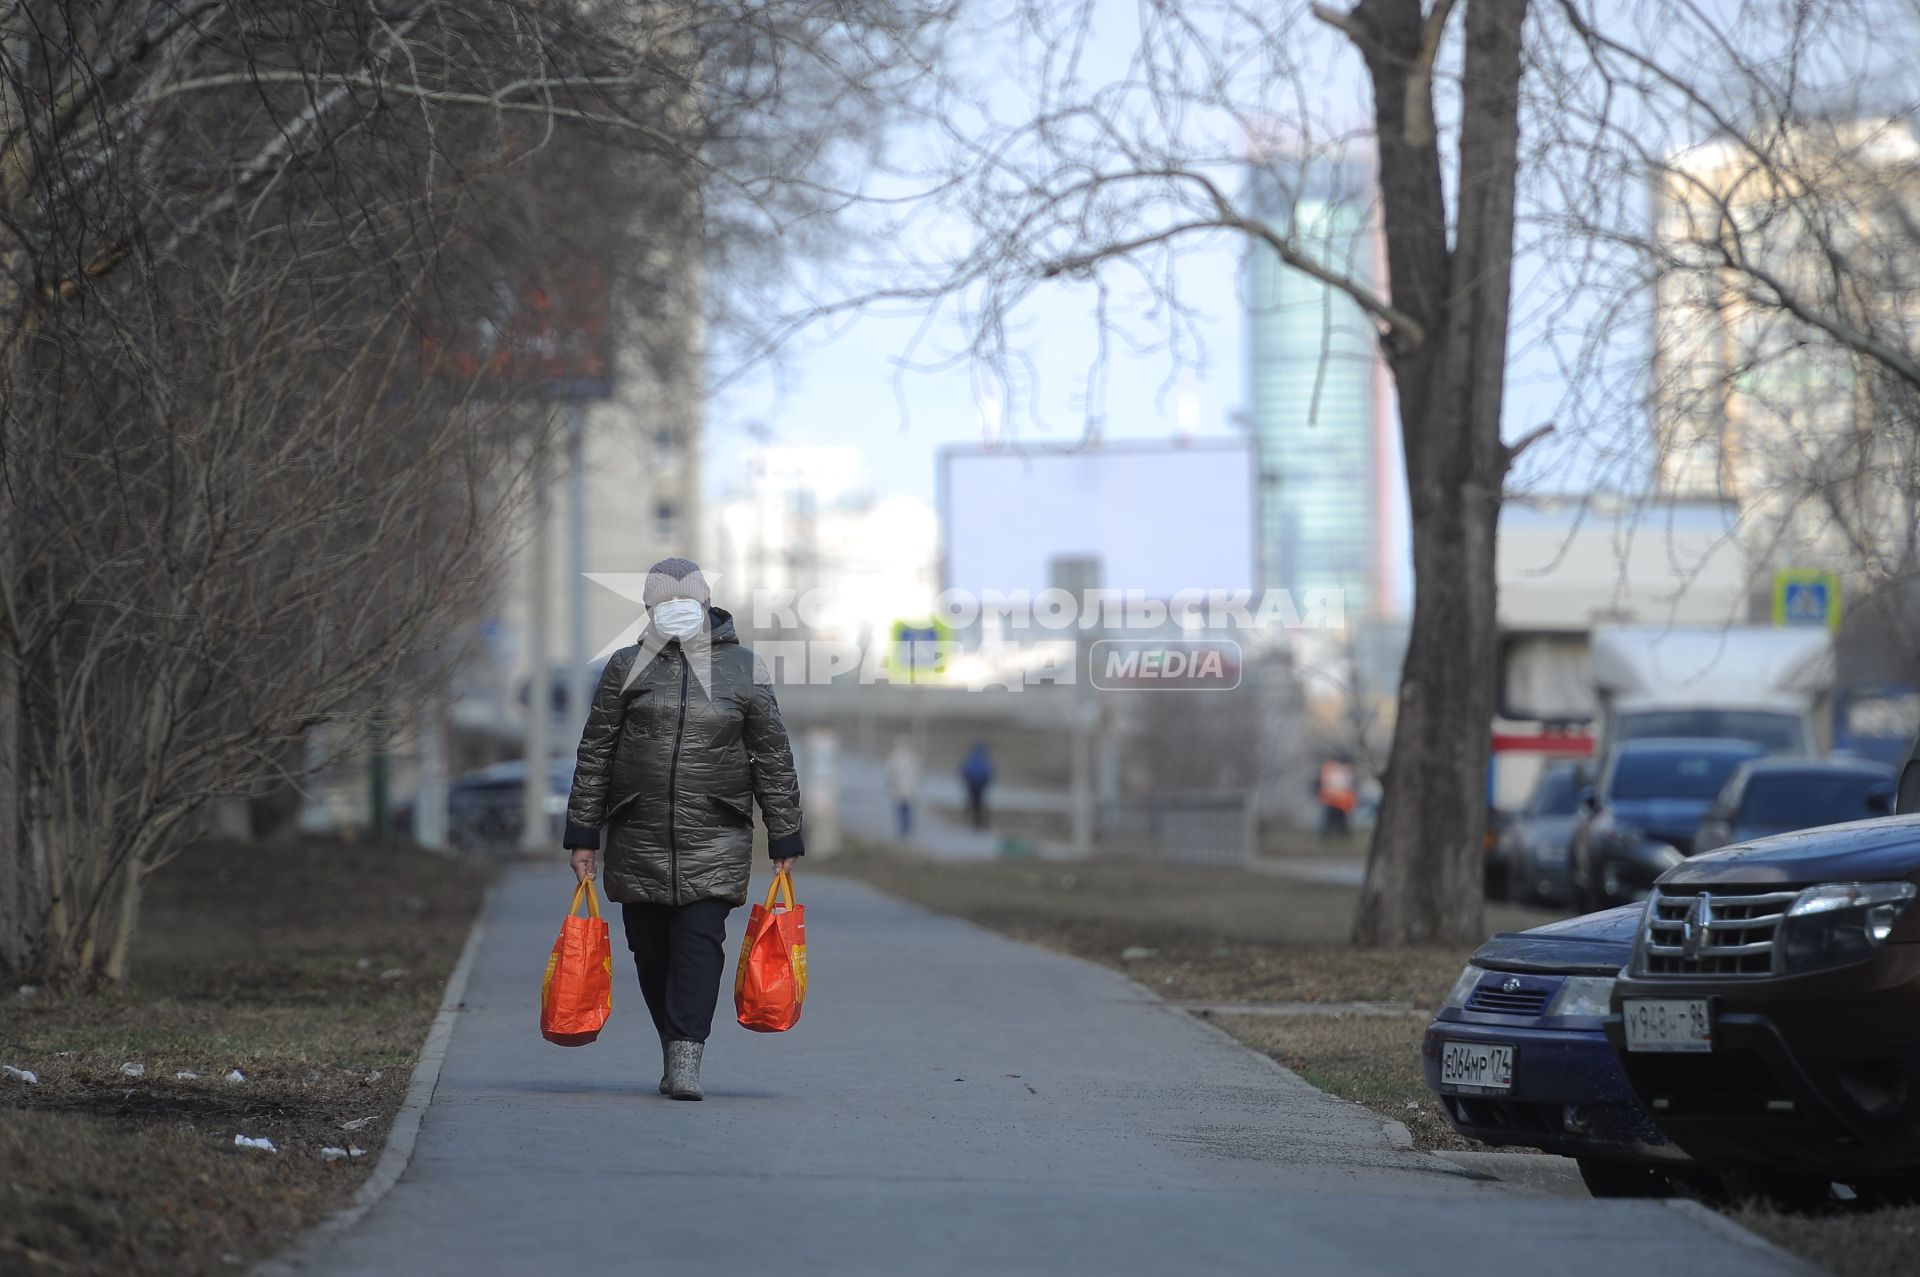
<point x="312" y="968"/>
<point x="1213" y="935"/>
<point x="1848" y="1244"/>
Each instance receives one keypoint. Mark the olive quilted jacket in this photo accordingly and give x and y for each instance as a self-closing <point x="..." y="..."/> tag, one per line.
<point x="680" y="740"/>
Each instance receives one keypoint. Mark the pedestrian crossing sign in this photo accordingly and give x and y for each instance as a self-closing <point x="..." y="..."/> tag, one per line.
<point x="1806" y="596"/>
<point x="919" y="650"/>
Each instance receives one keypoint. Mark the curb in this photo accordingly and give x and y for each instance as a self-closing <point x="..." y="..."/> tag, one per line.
<point x="404" y="1131"/>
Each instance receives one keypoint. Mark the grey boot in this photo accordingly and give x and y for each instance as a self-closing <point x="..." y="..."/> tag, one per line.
<point x="683" y="1070"/>
<point x="663" y="1064"/>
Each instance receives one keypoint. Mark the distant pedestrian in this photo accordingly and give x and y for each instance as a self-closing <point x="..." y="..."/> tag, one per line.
<point x="1338" y="793"/>
<point x="682" y="736"/>
<point x="976" y="773"/>
<point x="903" y="783"/>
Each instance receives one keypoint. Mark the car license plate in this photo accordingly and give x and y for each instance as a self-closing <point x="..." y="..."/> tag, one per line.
<point x="1667" y="1024"/>
<point x="1477" y="1068"/>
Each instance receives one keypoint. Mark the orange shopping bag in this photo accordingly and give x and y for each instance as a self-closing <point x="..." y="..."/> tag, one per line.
<point x="576" y="997"/>
<point x="771" y="981"/>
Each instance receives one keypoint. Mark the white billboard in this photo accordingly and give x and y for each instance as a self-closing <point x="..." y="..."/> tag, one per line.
<point x="1158" y="517"/>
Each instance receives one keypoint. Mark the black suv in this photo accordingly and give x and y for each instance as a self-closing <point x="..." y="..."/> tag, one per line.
<point x="1770" y="1016"/>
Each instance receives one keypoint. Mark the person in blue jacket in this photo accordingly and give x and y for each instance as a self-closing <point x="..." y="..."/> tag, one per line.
<point x="976" y="772"/>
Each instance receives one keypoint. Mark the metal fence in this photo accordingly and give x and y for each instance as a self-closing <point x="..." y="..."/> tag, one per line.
<point x="1181" y="829"/>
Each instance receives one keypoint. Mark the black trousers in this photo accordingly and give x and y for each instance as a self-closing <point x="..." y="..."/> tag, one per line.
<point x="681" y="952"/>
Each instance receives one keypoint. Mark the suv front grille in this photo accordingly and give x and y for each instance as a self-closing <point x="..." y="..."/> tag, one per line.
<point x="1709" y="934"/>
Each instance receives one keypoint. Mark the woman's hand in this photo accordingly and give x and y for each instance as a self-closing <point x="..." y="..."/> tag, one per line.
<point x="582" y="862"/>
<point x="784" y="866"/>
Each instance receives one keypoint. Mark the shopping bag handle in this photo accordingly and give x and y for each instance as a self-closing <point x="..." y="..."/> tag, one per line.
<point x="782" y="882"/>
<point x="593" y="899"/>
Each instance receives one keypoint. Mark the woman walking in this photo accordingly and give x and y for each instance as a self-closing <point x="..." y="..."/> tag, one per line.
<point x="683" y="736"/>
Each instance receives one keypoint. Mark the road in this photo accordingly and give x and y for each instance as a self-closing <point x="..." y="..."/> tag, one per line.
<point x="952" y="1103"/>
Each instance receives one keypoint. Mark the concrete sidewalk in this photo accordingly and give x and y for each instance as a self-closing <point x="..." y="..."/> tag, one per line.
<point x="952" y="1103"/>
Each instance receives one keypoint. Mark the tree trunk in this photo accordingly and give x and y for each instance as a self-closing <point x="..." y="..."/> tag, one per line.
<point x="126" y="917"/>
<point x="22" y="892"/>
<point x="24" y="885"/>
<point x="1424" y="868"/>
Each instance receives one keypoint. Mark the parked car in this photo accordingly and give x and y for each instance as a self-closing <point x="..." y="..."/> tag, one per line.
<point x="1639" y="818"/>
<point x="1533" y="845"/>
<point x="1518" y="1054"/>
<point x="1906" y="795"/>
<point x="1779" y="795"/>
<point x="1770" y="1016"/>
<point x="485" y="808"/>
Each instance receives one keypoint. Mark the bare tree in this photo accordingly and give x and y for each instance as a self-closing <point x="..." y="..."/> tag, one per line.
<point x="243" y="495"/>
<point x="1106" y="182"/>
<point x="1753" y="180"/>
<point x="1801" y="229"/>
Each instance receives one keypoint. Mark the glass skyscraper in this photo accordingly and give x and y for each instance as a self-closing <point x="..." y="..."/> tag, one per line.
<point x="1314" y="396"/>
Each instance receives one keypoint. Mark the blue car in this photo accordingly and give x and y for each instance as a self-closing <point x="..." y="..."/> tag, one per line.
<point x="1518" y="1056"/>
<point x="1639" y="818"/>
<point x="1780" y="795"/>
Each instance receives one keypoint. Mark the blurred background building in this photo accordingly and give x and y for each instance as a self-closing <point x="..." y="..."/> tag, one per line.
<point x="1316" y="400"/>
<point x="806" y="519"/>
<point x="1754" y="405"/>
<point x="622" y="490"/>
<point x="1320" y="409"/>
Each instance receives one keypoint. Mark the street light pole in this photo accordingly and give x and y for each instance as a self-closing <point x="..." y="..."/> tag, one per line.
<point x="577" y="648"/>
<point x="533" y="791"/>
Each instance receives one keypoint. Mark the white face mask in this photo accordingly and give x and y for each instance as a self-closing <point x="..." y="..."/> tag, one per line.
<point x="679" y="618"/>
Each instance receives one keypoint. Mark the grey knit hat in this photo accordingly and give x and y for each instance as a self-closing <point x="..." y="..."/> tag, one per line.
<point x="675" y="579"/>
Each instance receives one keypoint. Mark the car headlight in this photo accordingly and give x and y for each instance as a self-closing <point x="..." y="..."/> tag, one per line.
<point x="1840" y="922"/>
<point x="1463" y="987"/>
<point x="1588" y="995"/>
